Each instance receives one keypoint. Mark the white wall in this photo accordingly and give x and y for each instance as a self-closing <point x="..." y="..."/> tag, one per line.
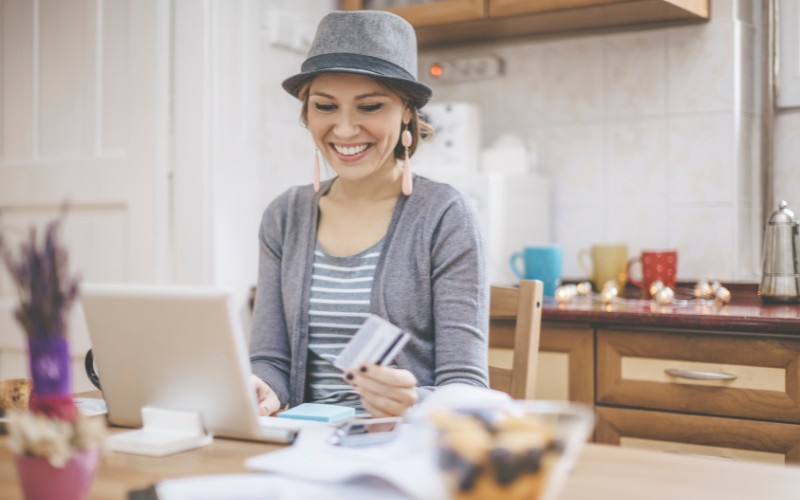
<point x="650" y="137"/>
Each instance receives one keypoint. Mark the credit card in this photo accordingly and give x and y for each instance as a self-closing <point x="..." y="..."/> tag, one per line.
<point x="377" y="341"/>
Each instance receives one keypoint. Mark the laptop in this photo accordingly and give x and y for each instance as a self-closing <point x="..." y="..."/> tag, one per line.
<point x="175" y="348"/>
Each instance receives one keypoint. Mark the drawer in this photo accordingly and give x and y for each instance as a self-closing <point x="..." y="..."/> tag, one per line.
<point x="726" y="375"/>
<point x="698" y="435"/>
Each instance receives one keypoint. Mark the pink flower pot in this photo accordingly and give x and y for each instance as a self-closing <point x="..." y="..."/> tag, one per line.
<point x="41" y="481"/>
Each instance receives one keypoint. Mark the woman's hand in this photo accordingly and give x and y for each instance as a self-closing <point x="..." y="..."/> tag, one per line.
<point x="384" y="391"/>
<point x="267" y="399"/>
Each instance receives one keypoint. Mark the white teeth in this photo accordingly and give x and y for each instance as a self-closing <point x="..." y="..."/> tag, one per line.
<point x="351" y="150"/>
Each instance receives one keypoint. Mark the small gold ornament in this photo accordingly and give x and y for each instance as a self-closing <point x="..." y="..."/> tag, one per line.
<point x="722" y="296"/>
<point x="656" y="287"/>
<point x="565" y="293"/>
<point x="702" y="290"/>
<point x="584" y="288"/>
<point x="665" y="296"/>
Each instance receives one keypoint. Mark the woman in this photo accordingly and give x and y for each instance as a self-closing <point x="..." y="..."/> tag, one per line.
<point x="373" y="240"/>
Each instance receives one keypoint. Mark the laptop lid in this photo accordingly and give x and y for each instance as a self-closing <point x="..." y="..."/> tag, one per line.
<point x="178" y="348"/>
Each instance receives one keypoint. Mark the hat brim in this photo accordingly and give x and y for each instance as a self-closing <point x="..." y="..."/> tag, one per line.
<point x="419" y="93"/>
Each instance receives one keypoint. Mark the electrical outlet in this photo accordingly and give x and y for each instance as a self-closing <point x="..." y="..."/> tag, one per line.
<point x="464" y="69"/>
<point x="288" y="31"/>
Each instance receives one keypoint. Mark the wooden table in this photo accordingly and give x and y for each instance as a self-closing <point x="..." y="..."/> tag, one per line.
<point x="603" y="472"/>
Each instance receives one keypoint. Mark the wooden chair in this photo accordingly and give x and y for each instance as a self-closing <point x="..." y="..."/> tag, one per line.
<point x="515" y="320"/>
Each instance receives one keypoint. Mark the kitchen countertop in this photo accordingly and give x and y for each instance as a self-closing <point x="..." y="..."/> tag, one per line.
<point x="746" y="313"/>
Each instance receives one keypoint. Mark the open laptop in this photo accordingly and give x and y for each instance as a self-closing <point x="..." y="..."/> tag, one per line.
<point x="176" y="348"/>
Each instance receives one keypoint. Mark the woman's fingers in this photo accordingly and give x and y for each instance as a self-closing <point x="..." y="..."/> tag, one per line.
<point x="267" y="399"/>
<point x="384" y="391"/>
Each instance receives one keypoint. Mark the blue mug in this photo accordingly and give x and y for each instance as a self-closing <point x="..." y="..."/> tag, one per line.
<point x="541" y="263"/>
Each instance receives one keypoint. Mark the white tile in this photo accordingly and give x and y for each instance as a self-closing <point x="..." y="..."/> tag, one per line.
<point x="288" y="158"/>
<point x="701" y="155"/>
<point x="700" y="68"/>
<point x="722" y="10"/>
<point x="520" y="94"/>
<point x="636" y="164"/>
<point x="642" y="226"/>
<point x="748" y="158"/>
<point x="573" y="75"/>
<point x="749" y="74"/>
<point x="704" y="238"/>
<point x="787" y="158"/>
<point x="279" y="106"/>
<point x="634" y="79"/>
<point x="749" y="237"/>
<point x="577" y="226"/>
<point x="573" y="157"/>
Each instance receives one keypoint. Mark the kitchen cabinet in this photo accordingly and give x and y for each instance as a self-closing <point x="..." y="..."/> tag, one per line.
<point x="731" y="396"/>
<point x="565" y="369"/>
<point x="457" y="21"/>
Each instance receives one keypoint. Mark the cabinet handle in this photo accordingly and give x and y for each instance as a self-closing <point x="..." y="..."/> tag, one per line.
<point x="699" y="375"/>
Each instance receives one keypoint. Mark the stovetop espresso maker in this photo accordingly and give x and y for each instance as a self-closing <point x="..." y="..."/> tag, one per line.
<point x="780" y="281"/>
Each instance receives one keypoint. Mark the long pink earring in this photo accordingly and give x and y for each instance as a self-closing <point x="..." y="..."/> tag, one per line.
<point x="405" y="139"/>
<point x="316" y="170"/>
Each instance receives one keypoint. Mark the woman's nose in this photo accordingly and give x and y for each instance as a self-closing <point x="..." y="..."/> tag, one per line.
<point x="346" y="126"/>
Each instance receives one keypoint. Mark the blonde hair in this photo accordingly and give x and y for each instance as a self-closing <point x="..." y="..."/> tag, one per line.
<point x="419" y="128"/>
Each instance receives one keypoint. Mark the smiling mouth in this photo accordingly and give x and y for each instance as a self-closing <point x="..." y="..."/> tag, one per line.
<point x="350" y="150"/>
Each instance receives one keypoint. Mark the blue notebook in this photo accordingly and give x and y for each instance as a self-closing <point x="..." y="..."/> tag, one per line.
<point x="319" y="412"/>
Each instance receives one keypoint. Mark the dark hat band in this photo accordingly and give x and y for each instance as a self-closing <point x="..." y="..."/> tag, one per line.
<point x="363" y="65"/>
<point x="358" y="62"/>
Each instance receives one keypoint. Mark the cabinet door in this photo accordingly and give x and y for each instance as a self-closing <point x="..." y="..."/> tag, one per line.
<point x="430" y="13"/>
<point x="565" y="368"/>
<point x="714" y="437"/>
<point x="660" y="8"/>
<point x="725" y="375"/>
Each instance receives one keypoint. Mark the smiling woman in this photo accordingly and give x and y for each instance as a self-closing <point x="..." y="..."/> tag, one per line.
<point x="375" y="239"/>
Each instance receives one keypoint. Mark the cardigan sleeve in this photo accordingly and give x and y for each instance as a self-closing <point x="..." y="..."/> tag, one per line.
<point x="270" y="352"/>
<point x="460" y="295"/>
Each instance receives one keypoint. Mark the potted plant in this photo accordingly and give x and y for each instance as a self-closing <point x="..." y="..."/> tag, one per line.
<point x="56" y="448"/>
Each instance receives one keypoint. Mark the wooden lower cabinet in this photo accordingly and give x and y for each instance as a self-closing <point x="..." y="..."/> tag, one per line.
<point x="565" y="369"/>
<point x="718" y="437"/>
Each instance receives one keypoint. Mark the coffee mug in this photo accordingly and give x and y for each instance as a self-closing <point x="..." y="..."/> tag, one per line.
<point x="657" y="265"/>
<point x="88" y="365"/>
<point x="606" y="263"/>
<point x="541" y="263"/>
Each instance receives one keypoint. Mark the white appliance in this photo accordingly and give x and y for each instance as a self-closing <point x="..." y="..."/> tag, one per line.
<point x="513" y="205"/>
<point x="456" y="143"/>
<point x="514" y="211"/>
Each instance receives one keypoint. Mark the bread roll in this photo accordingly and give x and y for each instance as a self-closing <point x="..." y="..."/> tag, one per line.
<point x="14" y="394"/>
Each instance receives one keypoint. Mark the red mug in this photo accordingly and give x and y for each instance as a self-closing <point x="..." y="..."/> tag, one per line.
<point x="657" y="265"/>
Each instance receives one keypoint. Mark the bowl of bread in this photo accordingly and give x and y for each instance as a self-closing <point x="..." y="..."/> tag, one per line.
<point x="521" y="451"/>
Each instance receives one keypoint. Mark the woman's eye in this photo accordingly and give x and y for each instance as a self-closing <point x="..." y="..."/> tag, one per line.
<point x="324" y="107"/>
<point x="369" y="108"/>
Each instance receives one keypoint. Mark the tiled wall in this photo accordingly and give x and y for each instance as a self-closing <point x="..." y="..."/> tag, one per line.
<point x="649" y="137"/>
<point x="787" y="158"/>
<point x="287" y="147"/>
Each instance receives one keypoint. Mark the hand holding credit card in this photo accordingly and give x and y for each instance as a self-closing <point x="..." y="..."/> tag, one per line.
<point x="377" y="341"/>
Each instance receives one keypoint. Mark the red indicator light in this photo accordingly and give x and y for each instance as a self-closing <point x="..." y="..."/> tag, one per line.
<point x="436" y="70"/>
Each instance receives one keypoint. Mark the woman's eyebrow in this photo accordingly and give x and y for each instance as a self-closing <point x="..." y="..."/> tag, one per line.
<point x="358" y="97"/>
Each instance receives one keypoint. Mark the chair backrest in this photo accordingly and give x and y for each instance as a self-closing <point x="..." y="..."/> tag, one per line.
<point x="515" y="321"/>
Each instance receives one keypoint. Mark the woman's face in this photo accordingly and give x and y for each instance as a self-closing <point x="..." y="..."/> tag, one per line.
<point x="355" y="122"/>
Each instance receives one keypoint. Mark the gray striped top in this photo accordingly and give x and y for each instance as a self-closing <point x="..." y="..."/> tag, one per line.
<point x="340" y="302"/>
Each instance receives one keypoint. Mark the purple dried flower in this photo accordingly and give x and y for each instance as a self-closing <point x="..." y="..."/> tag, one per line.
<point x="45" y="289"/>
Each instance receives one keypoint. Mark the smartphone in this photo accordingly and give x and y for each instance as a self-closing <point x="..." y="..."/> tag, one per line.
<point x="366" y="432"/>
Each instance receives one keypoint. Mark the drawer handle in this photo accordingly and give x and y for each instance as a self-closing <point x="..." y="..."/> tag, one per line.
<point x="699" y="375"/>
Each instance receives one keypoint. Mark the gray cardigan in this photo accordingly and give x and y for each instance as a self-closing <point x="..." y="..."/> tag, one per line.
<point x="430" y="281"/>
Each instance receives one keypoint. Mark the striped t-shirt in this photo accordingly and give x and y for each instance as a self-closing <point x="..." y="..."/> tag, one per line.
<point x="340" y="302"/>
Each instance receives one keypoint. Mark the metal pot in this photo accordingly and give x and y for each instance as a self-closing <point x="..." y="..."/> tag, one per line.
<point x="780" y="281"/>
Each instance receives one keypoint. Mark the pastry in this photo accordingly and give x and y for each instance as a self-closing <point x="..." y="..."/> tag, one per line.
<point x="486" y="456"/>
<point x="14" y="394"/>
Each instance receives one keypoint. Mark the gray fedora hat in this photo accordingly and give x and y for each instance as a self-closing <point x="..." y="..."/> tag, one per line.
<point x="365" y="42"/>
